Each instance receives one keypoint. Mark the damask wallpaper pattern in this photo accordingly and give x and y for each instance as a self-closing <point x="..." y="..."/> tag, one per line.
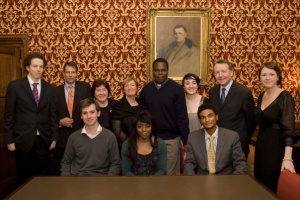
<point x="107" y="38"/>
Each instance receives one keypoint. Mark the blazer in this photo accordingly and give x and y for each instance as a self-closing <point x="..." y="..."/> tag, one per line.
<point x="230" y="158"/>
<point x="22" y="117"/>
<point x="82" y="91"/>
<point x="237" y="111"/>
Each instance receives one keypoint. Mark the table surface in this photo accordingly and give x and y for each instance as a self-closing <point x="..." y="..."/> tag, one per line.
<point x="220" y="187"/>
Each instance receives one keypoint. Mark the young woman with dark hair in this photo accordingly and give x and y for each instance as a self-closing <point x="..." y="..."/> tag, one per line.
<point x="143" y="153"/>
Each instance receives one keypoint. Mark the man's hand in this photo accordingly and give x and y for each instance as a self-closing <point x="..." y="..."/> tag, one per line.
<point x="11" y="147"/>
<point x="52" y="146"/>
<point x="67" y="122"/>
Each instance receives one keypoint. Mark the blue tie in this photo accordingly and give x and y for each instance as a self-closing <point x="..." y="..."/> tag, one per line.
<point x="223" y="95"/>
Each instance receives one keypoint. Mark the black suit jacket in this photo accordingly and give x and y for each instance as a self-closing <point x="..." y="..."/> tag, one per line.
<point x="22" y="117"/>
<point x="230" y="158"/>
<point x="82" y="91"/>
<point x="237" y="111"/>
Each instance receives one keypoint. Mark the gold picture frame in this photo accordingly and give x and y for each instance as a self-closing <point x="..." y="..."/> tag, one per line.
<point x="181" y="36"/>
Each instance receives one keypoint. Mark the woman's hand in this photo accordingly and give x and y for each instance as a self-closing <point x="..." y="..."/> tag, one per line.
<point x="288" y="165"/>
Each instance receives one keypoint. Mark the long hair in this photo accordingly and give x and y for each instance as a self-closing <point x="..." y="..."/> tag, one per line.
<point x="143" y="116"/>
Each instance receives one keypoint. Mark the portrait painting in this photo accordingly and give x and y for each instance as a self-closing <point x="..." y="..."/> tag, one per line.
<point x="181" y="37"/>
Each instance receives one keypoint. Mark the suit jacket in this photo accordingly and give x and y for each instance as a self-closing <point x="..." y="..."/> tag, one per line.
<point x="230" y="158"/>
<point x="22" y="117"/>
<point x="237" y="111"/>
<point x="82" y="91"/>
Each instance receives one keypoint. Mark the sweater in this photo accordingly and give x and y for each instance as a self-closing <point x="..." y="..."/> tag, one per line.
<point x="160" y="163"/>
<point x="91" y="157"/>
<point x="168" y="106"/>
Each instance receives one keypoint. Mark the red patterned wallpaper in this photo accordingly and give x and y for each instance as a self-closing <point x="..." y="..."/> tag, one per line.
<point x="107" y="38"/>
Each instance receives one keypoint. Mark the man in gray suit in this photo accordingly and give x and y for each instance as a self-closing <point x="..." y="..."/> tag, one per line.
<point x="212" y="149"/>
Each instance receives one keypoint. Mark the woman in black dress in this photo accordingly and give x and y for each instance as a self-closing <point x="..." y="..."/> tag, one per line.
<point x="101" y="91"/>
<point x="126" y="110"/>
<point x="275" y="116"/>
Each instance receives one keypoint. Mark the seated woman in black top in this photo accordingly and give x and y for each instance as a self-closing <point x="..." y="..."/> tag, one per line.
<point x="101" y="91"/>
<point x="143" y="153"/>
<point x="125" y="112"/>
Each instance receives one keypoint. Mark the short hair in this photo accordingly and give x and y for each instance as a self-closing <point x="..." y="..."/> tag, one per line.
<point x="33" y="55"/>
<point x="206" y="106"/>
<point x="71" y="64"/>
<point x="275" y="67"/>
<point x="160" y="60"/>
<point x="87" y="102"/>
<point x="180" y="26"/>
<point x="222" y="61"/>
<point x="190" y="76"/>
<point x="98" y="83"/>
<point x="127" y="80"/>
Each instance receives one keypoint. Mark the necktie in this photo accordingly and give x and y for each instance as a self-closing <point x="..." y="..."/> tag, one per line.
<point x="223" y="95"/>
<point x="70" y="100"/>
<point x="211" y="156"/>
<point x="35" y="93"/>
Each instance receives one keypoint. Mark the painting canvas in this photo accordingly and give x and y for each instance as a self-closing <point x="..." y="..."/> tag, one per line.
<point x="181" y="37"/>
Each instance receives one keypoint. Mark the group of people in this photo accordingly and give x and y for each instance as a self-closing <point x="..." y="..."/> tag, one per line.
<point x="90" y="134"/>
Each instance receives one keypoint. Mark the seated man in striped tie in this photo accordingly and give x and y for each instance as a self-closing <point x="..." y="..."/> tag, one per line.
<point x="212" y="149"/>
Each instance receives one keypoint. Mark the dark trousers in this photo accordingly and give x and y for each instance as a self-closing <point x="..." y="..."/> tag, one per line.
<point x="58" y="154"/>
<point x="245" y="147"/>
<point x="35" y="162"/>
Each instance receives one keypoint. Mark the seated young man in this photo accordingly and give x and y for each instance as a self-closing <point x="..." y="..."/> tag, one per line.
<point x="212" y="149"/>
<point x="92" y="150"/>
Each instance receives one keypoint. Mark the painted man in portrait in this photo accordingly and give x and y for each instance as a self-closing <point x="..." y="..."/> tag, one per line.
<point x="182" y="55"/>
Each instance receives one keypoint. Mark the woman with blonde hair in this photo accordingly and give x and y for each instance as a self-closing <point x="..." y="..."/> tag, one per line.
<point x="125" y="112"/>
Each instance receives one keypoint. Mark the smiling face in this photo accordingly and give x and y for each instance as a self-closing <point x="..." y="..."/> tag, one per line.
<point x="143" y="130"/>
<point x="223" y="74"/>
<point x="101" y="93"/>
<point x="90" y="115"/>
<point x="130" y="89"/>
<point x="208" y="119"/>
<point x="190" y="86"/>
<point x="70" y="74"/>
<point x="35" y="69"/>
<point x="268" y="78"/>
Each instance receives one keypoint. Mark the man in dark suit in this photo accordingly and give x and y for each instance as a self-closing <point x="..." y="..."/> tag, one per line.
<point x="212" y="149"/>
<point x="30" y="126"/>
<point x="68" y="97"/>
<point x="234" y="103"/>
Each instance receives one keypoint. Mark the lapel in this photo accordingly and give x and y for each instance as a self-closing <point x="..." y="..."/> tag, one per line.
<point x="76" y="96"/>
<point x="61" y="95"/>
<point x="26" y="85"/>
<point x="43" y="91"/>
<point x="217" y="100"/>
<point x="220" y="144"/>
<point x="230" y="94"/>
<point x="202" y="145"/>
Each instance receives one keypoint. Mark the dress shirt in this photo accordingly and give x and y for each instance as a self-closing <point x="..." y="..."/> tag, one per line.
<point x="39" y="86"/>
<point x="67" y="88"/>
<point x="98" y="131"/>
<point x="207" y="141"/>
<point x="227" y="87"/>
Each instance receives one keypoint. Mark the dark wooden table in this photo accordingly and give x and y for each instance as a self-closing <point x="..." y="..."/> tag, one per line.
<point x="220" y="187"/>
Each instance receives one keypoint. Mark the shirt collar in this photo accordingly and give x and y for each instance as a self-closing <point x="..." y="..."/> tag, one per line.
<point x="159" y="85"/>
<point x="67" y="85"/>
<point x="32" y="82"/>
<point x="98" y="131"/>
<point x="227" y="86"/>
<point x="215" y="134"/>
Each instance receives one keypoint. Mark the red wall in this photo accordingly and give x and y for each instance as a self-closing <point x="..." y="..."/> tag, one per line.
<point x="108" y="38"/>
